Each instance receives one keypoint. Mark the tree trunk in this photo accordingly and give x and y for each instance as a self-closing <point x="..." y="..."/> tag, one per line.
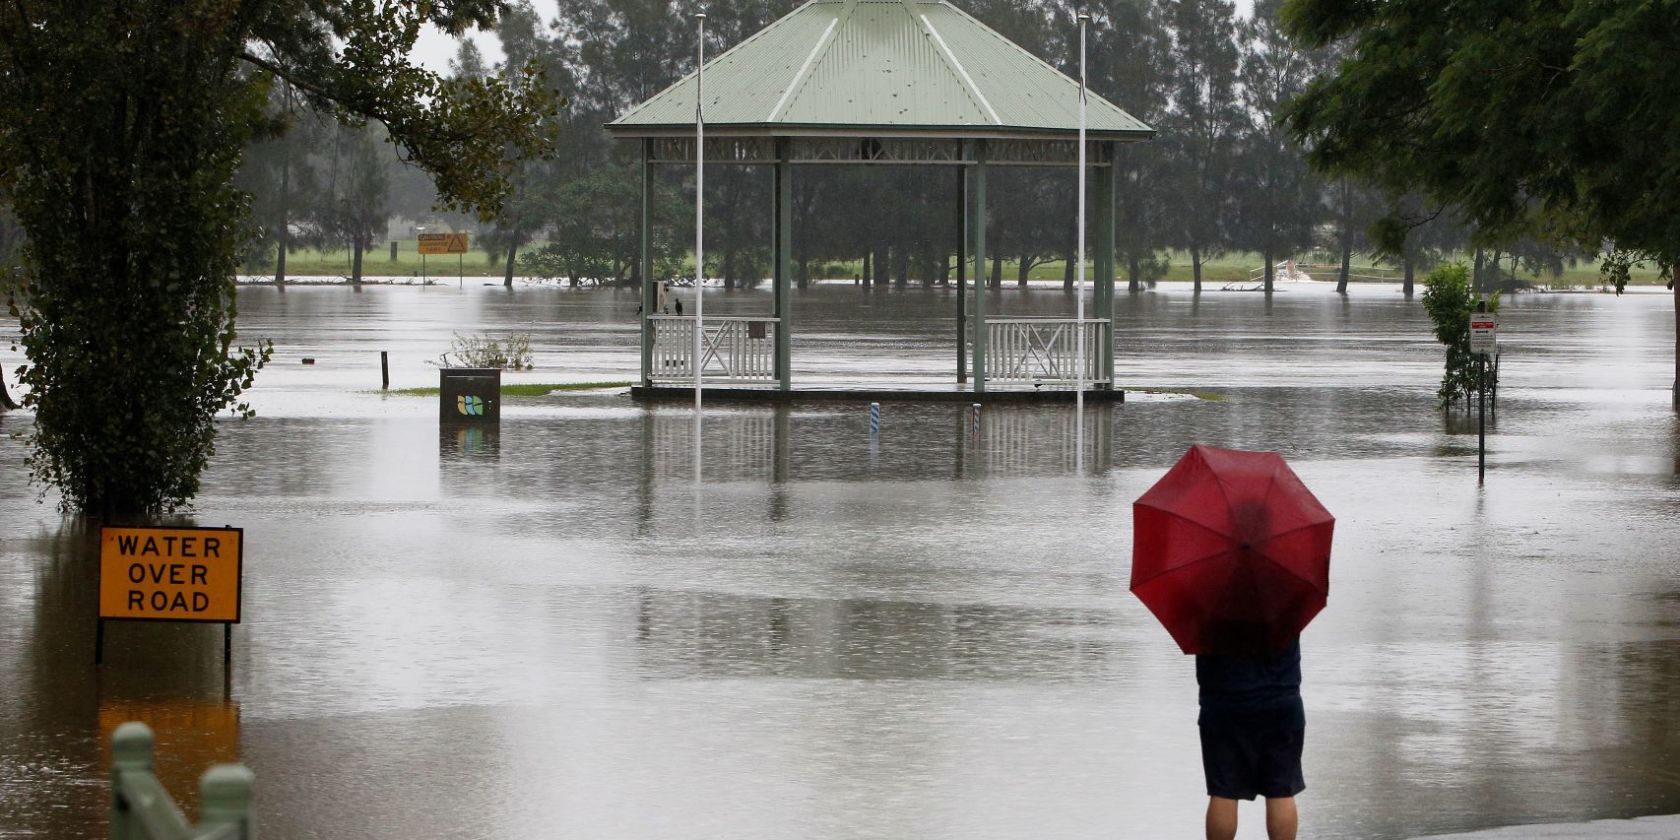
<point x="866" y="275"/>
<point x="1134" y="275"/>
<point x="285" y="231"/>
<point x="1069" y="266"/>
<point x="997" y="271"/>
<point x="513" y="252"/>
<point x="357" y="243"/>
<point x="1411" y="273"/>
<point x="1196" y="266"/>
<point x="1347" y="237"/>
<point x="804" y="274"/>
<point x="883" y="265"/>
<point x="1022" y="269"/>
<point x="5" y="397"/>
<point x="1270" y="284"/>
<point x="945" y="270"/>
<point x="1347" y="257"/>
<point x="1476" y="279"/>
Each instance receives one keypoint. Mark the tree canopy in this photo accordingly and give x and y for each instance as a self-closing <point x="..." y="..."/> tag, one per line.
<point x="1554" y="117"/>
<point x="121" y="125"/>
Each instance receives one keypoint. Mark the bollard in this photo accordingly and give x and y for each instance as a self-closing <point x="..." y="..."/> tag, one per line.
<point x="874" y="419"/>
<point x="385" y="368"/>
<point x="976" y="424"/>
<point x="225" y="794"/>
<point x="131" y="752"/>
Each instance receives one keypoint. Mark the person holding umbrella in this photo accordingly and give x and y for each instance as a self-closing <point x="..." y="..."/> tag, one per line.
<point x="1232" y="553"/>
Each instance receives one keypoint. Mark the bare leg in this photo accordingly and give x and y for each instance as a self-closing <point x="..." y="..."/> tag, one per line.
<point x="1222" y="818"/>
<point x="1281" y="818"/>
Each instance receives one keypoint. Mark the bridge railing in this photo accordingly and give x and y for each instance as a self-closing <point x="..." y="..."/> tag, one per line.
<point x="142" y="810"/>
<point x="1044" y="350"/>
<point x="734" y="349"/>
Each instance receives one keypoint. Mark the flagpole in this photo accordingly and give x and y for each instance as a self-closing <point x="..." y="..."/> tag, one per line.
<point x="1079" y="333"/>
<point x="699" y="228"/>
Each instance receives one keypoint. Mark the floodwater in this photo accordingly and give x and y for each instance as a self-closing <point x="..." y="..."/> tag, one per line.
<point x="554" y="631"/>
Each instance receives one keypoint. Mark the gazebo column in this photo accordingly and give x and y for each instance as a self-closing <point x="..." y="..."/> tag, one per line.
<point x="962" y="266"/>
<point x="650" y="295"/>
<point x="782" y="260"/>
<point x="1105" y="192"/>
<point x="979" y="266"/>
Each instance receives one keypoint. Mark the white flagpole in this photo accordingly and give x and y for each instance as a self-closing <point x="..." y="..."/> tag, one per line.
<point x="1079" y="334"/>
<point x="699" y="228"/>
<point x="699" y="207"/>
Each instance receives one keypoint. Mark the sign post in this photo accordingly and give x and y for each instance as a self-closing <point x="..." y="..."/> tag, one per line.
<point x="1484" y="342"/>
<point x="443" y="243"/>
<point x="170" y="574"/>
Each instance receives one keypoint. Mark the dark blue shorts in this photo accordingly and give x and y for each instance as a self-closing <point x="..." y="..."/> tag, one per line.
<point x="1242" y="764"/>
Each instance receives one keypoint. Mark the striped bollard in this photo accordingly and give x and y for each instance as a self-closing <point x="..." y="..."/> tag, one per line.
<point x="975" y="410"/>
<point x="874" y="419"/>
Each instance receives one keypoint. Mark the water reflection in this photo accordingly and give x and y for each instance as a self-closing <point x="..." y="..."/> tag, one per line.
<point x="552" y="629"/>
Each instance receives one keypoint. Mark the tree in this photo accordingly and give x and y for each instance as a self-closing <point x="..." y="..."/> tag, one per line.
<point x="1127" y="48"/>
<point x="1199" y="133"/>
<point x="1448" y="300"/>
<point x="1279" y="202"/>
<point x="355" y="204"/>
<point x="1558" y="118"/>
<point x="121" y="125"/>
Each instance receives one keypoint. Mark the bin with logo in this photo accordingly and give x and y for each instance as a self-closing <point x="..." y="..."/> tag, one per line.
<point x="469" y="395"/>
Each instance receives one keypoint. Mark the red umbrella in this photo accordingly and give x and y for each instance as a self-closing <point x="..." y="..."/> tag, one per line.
<point x="1231" y="551"/>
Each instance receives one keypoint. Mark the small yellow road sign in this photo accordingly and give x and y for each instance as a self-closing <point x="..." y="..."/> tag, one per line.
<point x="442" y="243"/>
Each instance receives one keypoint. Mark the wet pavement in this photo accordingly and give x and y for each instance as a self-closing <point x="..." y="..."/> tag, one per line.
<point x="553" y="630"/>
<point x="1644" y="828"/>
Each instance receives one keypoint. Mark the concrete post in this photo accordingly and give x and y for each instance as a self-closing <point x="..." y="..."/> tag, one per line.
<point x="131" y="752"/>
<point x="225" y="794"/>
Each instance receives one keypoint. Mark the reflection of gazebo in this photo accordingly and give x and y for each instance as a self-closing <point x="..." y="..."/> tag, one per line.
<point x="887" y="82"/>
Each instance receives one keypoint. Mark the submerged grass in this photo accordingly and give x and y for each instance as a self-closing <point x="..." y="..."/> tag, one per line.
<point x="519" y="389"/>
<point x="1205" y="396"/>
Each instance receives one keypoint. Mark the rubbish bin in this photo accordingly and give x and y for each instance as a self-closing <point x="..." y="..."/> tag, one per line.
<point x="469" y="395"/>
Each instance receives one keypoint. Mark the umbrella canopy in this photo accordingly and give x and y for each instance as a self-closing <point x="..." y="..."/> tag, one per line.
<point x="1231" y="552"/>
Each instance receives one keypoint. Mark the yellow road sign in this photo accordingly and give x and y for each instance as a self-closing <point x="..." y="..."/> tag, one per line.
<point x="170" y="574"/>
<point x="443" y="243"/>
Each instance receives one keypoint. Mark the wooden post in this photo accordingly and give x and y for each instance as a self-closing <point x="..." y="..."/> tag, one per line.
<point x="979" y="267"/>
<point x="384" y="371"/>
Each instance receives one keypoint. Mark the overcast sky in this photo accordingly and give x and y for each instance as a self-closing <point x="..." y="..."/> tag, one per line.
<point x="434" y="48"/>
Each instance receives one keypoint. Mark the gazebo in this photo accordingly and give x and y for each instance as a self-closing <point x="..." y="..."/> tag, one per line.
<point x="893" y="83"/>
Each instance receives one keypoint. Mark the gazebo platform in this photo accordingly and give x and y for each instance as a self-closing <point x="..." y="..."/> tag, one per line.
<point x="867" y="394"/>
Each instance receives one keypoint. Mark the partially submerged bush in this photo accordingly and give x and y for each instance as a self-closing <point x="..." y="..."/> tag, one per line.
<point x="1448" y="301"/>
<point x="513" y="353"/>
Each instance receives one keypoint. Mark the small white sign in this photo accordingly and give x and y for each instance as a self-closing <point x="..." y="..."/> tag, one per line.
<point x="1484" y="334"/>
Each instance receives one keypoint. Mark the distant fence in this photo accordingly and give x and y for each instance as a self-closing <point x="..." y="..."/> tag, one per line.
<point x="1292" y="271"/>
<point x="142" y="810"/>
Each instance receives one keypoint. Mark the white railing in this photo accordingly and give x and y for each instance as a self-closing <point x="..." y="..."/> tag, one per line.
<point x="1044" y="350"/>
<point x="736" y="349"/>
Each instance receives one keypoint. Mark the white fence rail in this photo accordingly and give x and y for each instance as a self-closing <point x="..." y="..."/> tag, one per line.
<point x="1044" y="350"/>
<point x="735" y="349"/>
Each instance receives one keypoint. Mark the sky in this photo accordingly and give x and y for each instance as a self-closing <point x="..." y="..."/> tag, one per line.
<point x="434" y="49"/>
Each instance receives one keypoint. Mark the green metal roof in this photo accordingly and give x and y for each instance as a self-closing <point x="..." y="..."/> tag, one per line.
<point x="880" y="67"/>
